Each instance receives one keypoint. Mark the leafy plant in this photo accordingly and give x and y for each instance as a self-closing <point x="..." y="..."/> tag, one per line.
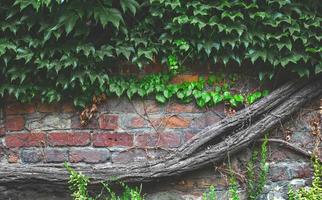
<point x="310" y="193"/>
<point x="55" y="49"/>
<point x="255" y="184"/>
<point x="78" y="185"/>
<point x="210" y="195"/>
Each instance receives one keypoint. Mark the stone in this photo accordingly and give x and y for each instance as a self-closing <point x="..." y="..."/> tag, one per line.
<point x="49" y="122"/>
<point x="92" y="124"/>
<point x="164" y="196"/>
<point x="31" y="156"/>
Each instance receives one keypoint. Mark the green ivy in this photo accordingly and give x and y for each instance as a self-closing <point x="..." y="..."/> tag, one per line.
<point x="214" y="90"/>
<point x="67" y="49"/>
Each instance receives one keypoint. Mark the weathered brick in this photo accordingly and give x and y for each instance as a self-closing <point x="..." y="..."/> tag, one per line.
<point x="12" y="155"/>
<point x="155" y="68"/>
<point x="48" y="108"/>
<point x="112" y="139"/>
<point x="182" y="108"/>
<point x="188" y="135"/>
<point x="151" y="106"/>
<point x="68" y="107"/>
<point x="53" y="121"/>
<point x="169" y="140"/>
<point x="68" y="138"/>
<point x="15" y="123"/>
<point x="93" y="123"/>
<point x="2" y="131"/>
<point x="177" y="122"/>
<point x="145" y="140"/>
<point x="108" y="121"/>
<point x="25" y="140"/>
<point x="89" y="155"/>
<point x="18" y="108"/>
<point x="55" y="155"/>
<point x="184" y="78"/>
<point x="135" y="122"/>
<point x="129" y="156"/>
<point x="31" y="155"/>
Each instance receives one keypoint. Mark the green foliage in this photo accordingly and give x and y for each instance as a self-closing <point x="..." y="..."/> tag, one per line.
<point x="210" y="195"/>
<point x="78" y="185"/>
<point x="205" y="93"/>
<point x="65" y="49"/>
<point x="315" y="191"/>
<point x="233" y="188"/>
<point x="255" y="184"/>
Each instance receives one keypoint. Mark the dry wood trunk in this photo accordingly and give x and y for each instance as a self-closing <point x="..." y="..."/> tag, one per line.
<point x="210" y="145"/>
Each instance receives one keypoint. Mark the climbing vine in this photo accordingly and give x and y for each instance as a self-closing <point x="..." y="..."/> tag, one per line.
<point x="55" y="49"/>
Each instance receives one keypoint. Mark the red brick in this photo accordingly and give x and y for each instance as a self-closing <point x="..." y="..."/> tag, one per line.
<point x="68" y="108"/>
<point x="169" y="139"/>
<point x="68" y="139"/>
<point x="112" y="139"/>
<point x="55" y="155"/>
<point x="136" y="122"/>
<point x="151" y="106"/>
<point x="25" y="140"/>
<point x="108" y="121"/>
<point x="153" y="68"/>
<point x="129" y="156"/>
<point x="15" y="123"/>
<point x="89" y="155"/>
<point x="185" y="78"/>
<point x="188" y="136"/>
<point x="145" y="140"/>
<point x="2" y="131"/>
<point x="13" y="156"/>
<point x="17" y="108"/>
<point x="48" y="108"/>
<point x="177" y="122"/>
<point x="182" y="108"/>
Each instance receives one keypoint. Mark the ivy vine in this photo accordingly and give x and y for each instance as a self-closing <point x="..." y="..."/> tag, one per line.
<point x="58" y="49"/>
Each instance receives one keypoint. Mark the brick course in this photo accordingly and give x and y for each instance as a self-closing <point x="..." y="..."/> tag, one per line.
<point x="68" y="138"/>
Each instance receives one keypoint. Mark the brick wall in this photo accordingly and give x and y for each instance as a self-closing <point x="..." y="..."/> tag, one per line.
<point x="35" y="133"/>
<point x="124" y="131"/>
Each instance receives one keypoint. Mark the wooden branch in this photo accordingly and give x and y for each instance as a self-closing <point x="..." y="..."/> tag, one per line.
<point x="291" y="146"/>
<point x="210" y="145"/>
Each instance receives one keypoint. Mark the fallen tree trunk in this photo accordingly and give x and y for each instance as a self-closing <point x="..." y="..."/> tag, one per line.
<point x="210" y="145"/>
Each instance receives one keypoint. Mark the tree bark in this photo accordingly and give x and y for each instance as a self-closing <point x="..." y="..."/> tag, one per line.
<point x="210" y="145"/>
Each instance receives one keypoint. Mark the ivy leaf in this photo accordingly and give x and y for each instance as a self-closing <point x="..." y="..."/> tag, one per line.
<point x="318" y="68"/>
<point x="301" y="71"/>
<point x="160" y="98"/>
<point x="106" y="15"/>
<point x="131" y="5"/>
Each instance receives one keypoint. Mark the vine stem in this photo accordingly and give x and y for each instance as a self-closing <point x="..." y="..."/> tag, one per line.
<point x="291" y="147"/>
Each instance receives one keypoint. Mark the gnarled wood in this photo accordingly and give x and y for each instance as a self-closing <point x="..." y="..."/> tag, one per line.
<point x="234" y="134"/>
